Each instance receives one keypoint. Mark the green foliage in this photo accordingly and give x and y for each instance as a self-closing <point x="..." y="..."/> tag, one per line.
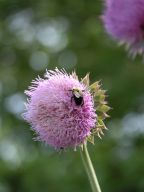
<point x="35" y="35"/>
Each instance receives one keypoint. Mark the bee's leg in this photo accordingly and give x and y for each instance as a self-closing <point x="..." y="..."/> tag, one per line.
<point x="72" y="99"/>
<point x="82" y="103"/>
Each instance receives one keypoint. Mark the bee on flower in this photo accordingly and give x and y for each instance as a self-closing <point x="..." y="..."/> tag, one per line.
<point x="65" y="112"/>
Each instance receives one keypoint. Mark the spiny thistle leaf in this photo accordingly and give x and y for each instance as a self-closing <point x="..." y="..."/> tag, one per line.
<point x="102" y="115"/>
<point x="94" y="87"/>
<point x="91" y="138"/>
<point x="101" y="124"/>
<point x="85" y="80"/>
<point x="102" y="108"/>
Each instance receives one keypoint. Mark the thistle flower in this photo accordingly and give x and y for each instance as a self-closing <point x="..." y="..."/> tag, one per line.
<point x="60" y="109"/>
<point x="124" y="21"/>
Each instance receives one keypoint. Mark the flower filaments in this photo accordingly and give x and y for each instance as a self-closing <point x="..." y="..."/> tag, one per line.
<point x="58" y="119"/>
<point x="124" y="21"/>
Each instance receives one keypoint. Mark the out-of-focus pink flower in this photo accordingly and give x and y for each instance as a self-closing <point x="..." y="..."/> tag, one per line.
<point x="124" y="21"/>
<point x="53" y="112"/>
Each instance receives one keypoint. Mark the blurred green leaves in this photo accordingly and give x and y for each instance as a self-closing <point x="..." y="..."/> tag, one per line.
<point x="35" y="35"/>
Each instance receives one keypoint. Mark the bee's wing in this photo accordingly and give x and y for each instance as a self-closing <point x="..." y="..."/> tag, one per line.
<point x="77" y="94"/>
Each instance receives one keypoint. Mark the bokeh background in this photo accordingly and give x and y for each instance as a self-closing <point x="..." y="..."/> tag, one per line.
<point x="40" y="34"/>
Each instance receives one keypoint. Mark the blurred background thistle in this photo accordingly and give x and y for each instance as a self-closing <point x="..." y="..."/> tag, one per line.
<point x="36" y="35"/>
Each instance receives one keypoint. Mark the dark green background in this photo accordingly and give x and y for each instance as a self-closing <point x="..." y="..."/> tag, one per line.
<point x="40" y="34"/>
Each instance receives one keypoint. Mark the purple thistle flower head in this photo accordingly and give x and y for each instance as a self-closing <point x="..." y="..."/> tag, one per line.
<point x="61" y="110"/>
<point x="124" y="21"/>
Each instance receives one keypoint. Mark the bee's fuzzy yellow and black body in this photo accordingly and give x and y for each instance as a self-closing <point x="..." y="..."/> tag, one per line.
<point x="77" y="97"/>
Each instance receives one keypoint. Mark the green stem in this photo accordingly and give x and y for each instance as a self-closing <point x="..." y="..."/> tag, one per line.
<point x="89" y="169"/>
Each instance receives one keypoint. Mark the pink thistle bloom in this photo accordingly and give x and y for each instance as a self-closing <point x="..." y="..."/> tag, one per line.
<point x="124" y="21"/>
<point x="53" y="112"/>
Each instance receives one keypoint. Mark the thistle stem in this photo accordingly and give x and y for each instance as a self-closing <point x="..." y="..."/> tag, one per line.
<point x="89" y="169"/>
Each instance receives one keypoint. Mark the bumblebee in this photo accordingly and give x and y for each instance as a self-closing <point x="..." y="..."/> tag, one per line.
<point x="77" y="96"/>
